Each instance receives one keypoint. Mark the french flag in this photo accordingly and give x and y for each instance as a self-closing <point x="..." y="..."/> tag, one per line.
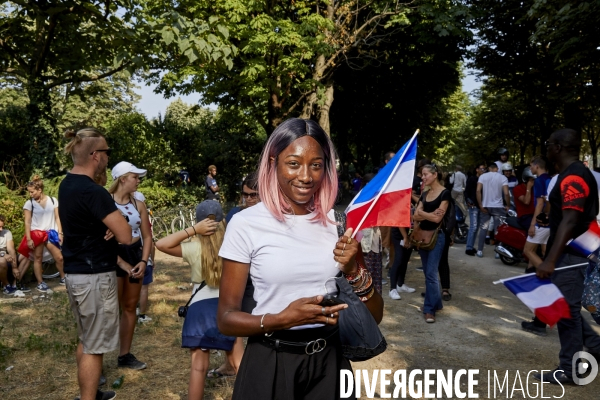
<point x="385" y="200"/>
<point x="541" y="296"/>
<point x="589" y="242"/>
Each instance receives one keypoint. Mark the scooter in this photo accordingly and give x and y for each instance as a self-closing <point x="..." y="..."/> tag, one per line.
<point x="510" y="239"/>
<point x="461" y="231"/>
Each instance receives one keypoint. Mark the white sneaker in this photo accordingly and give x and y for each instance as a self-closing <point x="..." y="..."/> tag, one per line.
<point x="143" y="319"/>
<point x="480" y="253"/>
<point x="404" y="288"/>
<point x="394" y="295"/>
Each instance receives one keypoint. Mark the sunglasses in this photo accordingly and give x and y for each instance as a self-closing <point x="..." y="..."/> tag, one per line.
<point x="107" y="151"/>
<point x="250" y="195"/>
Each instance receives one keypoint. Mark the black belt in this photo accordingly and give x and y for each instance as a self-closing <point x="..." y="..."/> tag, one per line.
<point x="311" y="347"/>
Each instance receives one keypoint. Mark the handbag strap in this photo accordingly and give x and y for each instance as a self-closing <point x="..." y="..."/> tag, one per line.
<point x="196" y="291"/>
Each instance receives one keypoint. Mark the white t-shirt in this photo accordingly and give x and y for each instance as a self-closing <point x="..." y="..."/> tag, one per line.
<point x="492" y="192"/>
<point x="190" y="252"/>
<point x="42" y="219"/>
<point x="288" y="260"/>
<point x="5" y="237"/>
<point x="459" y="180"/>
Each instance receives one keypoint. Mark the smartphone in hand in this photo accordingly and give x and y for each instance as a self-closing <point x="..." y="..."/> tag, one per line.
<point x="330" y="300"/>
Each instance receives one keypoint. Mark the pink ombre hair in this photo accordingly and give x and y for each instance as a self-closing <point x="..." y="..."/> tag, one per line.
<point x="268" y="187"/>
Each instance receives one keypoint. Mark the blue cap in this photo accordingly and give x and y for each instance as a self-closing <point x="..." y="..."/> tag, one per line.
<point x="209" y="207"/>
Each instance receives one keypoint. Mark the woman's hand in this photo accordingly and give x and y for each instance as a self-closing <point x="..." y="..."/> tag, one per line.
<point x="345" y="252"/>
<point x="125" y="266"/>
<point x="109" y="235"/>
<point x="406" y="243"/>
<point x="138" y="271"/>
<point x="307" y="310"/>
<point x="206" y="227"/>
<point x="30" y="244"/>
<point x="439" y="211"/>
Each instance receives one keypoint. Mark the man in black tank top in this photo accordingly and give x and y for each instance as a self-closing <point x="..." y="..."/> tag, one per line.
<point x="573" y="206"/>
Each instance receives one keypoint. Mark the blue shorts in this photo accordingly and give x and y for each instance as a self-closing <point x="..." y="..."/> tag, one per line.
<point x="200" y="327"/>
<point x="148" y="275"/>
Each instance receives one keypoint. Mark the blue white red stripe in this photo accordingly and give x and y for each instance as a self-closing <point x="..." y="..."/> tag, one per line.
<point x="589" y="242"/>
<point x="385" y="200"/>
<point x="541" y="296"/>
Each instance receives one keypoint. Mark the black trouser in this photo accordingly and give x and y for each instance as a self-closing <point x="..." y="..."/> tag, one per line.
<point x="265" y="373"/>
<point x="401" y="258"/>
<point x="444" y="267"/>
<point x="574" y="332"/>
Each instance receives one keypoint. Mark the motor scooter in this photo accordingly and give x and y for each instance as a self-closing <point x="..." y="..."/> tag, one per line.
<point x="510" y="240"/>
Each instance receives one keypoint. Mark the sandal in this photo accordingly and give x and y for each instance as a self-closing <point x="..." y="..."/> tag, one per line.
<point x="214" y="374"/>
<point x="446" y="296"/>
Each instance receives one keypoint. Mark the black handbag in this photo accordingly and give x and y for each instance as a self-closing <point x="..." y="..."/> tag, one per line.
<point x="360" y="336"/>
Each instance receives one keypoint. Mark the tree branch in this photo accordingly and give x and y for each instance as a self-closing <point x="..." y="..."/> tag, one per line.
<point x="86" y="78"/>
<point x="39" y="65"/>
<point x="296" y="104"/>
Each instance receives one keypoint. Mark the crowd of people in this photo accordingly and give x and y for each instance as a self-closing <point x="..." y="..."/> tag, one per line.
<point x="245" y="282"/>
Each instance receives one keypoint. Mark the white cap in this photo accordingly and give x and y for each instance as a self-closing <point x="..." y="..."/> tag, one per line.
<point x="125" y="167"/>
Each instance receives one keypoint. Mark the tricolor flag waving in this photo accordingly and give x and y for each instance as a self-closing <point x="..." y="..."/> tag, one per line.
<point x="541" y="296"/>
<point x="385" y="200"/>
<point x="587" y="243"/>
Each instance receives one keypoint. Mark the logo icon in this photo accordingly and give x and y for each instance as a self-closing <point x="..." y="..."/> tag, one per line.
<point x="585" y="368"/>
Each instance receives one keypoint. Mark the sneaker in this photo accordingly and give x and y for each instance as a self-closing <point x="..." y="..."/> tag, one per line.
<point x="42" y="287"/>
<point x="420" y="269"/>
<point x="63" y="281"/>
<point x="9" y="290"/>
<point x="394" y="295"/>
<point x="23" y="288"/>
<point x="100" y="395"/>
<point x="129" y="361"/>
<point x="404" y="289"/>
<point x="470" y="252"/>
<point x="487" y="240"/>
<point x="144" y="318"/>
<point x="530" y="326"/>
<point x="480" y="254"/>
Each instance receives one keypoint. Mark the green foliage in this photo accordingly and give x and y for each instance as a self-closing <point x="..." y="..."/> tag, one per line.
<point x="51" y="44"/>
<point x="138" y="141"/>
<point x="11" y="206"/>
<point x="160" y="197"/>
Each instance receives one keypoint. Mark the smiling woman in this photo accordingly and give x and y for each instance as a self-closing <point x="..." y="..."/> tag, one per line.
<point x="289" y="246"/>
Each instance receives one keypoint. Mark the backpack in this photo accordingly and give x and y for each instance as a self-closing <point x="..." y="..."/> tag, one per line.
<point x="450" y="218"/>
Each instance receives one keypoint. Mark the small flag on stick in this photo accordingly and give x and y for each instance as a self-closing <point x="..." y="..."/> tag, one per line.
<point x="385" y="200"/>
<point x="541" y="296"/>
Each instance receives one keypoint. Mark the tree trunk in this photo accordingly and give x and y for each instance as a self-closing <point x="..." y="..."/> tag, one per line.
<point x="43" y="143"/>
<point x="323" y="109"/>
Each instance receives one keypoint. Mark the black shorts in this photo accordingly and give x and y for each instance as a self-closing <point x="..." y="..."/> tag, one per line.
<point x="131" y="253"/>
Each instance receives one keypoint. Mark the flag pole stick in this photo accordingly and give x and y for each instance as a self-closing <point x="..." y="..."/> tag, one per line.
<point x="384" y="185"/>
<point x="533" y="273"/>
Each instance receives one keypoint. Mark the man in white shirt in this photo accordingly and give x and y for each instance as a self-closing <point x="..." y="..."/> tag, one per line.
<point x="491" y="187"/>
<point x="459" y="180"/>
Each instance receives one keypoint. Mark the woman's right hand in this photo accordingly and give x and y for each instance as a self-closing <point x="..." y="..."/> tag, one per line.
<point x="306" y="310"/>
<point x="125" y="266"/>
<point x="30" y="244"/>
<point x="206" y="227"/>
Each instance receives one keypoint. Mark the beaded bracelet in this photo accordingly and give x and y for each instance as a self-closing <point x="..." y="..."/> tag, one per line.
<point x="365" y="289"/>
<point x="366" y="284"/>
<point x="368" y="296"/>
<point x="352" y="279"/>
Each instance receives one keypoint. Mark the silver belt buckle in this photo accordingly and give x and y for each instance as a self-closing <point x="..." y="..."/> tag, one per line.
<point x="315" y="346"/>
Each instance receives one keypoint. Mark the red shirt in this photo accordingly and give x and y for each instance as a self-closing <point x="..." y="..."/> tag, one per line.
<point x="522" y="208"/>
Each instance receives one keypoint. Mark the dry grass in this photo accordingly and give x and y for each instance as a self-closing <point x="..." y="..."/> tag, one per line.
<point x="38" y="339"/>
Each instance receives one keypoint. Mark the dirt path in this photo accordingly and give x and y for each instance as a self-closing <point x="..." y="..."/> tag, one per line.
<point x="478" y="329"/>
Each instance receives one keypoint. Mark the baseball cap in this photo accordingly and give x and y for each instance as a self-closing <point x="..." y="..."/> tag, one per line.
<point x="125" y="167"/>
<point x="209" y="207"/>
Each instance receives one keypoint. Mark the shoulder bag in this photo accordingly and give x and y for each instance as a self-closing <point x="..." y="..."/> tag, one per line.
<point x="360" y="336"/>
<point x="421" y="239"/>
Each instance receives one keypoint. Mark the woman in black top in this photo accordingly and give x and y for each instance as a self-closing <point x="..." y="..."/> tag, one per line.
<point x="430" y="214"/>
